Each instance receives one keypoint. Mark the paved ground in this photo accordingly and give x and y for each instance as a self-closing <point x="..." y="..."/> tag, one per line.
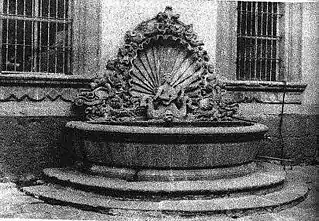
<point x="15" y="205"/>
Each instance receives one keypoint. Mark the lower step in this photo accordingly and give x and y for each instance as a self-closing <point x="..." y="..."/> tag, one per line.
<point x="289" y="195"/>
<point x="262" y="181"/>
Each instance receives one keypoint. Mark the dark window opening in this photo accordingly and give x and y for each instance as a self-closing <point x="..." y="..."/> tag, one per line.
<point x="36" y="36"/>
<point x="258" y="41"/>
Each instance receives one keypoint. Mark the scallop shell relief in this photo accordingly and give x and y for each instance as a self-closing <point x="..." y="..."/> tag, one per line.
<point x="161" y="73"/>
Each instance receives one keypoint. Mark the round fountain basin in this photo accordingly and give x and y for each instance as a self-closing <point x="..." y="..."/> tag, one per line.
<point x="167" y="146"/>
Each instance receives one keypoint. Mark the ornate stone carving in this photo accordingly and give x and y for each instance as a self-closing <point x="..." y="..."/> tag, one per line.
<point x="161" y="73"/>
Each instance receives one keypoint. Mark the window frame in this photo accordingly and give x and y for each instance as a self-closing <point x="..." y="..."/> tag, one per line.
<point x="36" y="21"/>
<point x="290" y="76"/>
<point x="86" y="42"/>
<point x="291" y="32"/>
<point x="260" y="39"/>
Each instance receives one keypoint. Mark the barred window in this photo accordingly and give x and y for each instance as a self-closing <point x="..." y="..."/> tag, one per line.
<point x="258" y="41"/>
<point x="36" y="36"/>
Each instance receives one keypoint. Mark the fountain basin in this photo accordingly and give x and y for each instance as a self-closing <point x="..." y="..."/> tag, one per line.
<point x="147" y="145"/>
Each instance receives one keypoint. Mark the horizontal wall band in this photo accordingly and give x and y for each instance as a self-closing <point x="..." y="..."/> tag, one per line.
<point x="45" y="108"/>
<point x="79" y="80"/>
<point x="279" y="86"/>
<point x="44" y="79"/>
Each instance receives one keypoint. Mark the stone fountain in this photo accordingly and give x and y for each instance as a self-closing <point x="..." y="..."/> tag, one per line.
<point x="160" y="135"/>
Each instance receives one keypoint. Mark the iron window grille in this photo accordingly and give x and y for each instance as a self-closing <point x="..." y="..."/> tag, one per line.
<point x="258" y="39"/>
<point x="36" y="36"/>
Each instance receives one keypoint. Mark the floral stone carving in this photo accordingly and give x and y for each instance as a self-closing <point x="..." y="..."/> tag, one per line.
<point x="162" y="73"/>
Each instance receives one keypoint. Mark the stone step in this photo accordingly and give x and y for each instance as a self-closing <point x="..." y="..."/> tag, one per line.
<point x="130" y="174"/>
<point x="289" y="195"/>
<point x="263" y="180"/>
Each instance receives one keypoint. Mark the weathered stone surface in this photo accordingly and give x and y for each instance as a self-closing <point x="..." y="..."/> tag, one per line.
<point x="203" y="174"/>
<point x="259" y="180"/>
<point x="14" y="204"/>
<point x="187" y="146"/>
<point x="218" y="205"/>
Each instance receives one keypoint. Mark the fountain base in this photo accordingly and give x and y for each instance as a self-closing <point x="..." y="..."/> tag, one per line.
<point x="262" y="190"/>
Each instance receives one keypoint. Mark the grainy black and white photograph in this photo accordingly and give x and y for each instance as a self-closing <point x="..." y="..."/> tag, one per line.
<point x="203" y="110"/>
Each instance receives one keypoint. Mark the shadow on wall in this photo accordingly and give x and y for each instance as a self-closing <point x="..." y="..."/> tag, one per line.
<point x="29" y="144"/>
<point x="296" y="140"/>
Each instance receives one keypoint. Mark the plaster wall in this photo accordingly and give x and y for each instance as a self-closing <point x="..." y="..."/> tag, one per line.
<point x="310" y="56"/>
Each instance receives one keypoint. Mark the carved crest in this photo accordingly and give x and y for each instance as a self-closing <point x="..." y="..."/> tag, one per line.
<point x="161" y="73"/>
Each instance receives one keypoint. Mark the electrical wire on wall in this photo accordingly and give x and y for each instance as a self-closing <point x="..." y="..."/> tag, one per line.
<point x="282" y="142"/>
<point x="282" y="158"/>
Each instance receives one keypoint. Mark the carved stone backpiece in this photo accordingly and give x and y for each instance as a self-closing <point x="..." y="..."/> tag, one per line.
<point x="161" y="73"/>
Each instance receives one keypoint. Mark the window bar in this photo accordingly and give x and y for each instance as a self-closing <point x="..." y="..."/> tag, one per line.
<point x="1" y="49"/>
<point x="265" y="40"/>
<point x="271" y="41"/>
<point x="242" y="46"/>
<point x="15" y="37"/>
<point x="238" y="43"/>
<point x="277" y="48"/>
<point x="39" y="19"/>
<point x="273" y="54"/>
<point x="48" y="37"/>
<point x="250" y="40"/>
<point x="7" y="46"/>
<point x="65" y="6"/>
<point x="239" y="55"/>
<point x="261" y="40"/>
<point x="281" y="64"/>
<point x="56" y="32"/>
<point x="24" y="37"/>
<point x="70" y="37"/>
<point x="269" y="27"/>
<point x="39" y="51"/>
<point x="68" y="50"/>
<point x="253" y="40"/>
<point x="256" y="34"/>
<point x="245" y="42"/>
<point x="33" y="30"/>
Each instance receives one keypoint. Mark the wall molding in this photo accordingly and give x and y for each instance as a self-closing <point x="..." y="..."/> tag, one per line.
<point x="41" y="87"/>
<point x="48" y="87"/>
<point x="275" y="86"/>
<point x="268" y="92"/>
<point x="35" y="94"/>
<point x="41" y="79"/>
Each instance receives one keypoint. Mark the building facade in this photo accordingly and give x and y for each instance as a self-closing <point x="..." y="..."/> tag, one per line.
<point x="266" y="53"/>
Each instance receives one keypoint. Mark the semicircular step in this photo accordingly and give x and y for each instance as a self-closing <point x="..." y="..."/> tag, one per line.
<point x="169" y="175"/>
<point x="290" y="195"/>
<point x="260" y="181"/>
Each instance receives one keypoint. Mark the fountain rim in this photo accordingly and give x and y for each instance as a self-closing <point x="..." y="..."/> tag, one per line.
<point x="251" y="128"/>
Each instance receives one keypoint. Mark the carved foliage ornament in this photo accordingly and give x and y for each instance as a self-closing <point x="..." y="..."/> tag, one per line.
<point x="161" y="74"/>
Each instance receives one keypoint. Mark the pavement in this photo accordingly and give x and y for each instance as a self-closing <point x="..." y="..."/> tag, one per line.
<point x="14" y="205"/>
